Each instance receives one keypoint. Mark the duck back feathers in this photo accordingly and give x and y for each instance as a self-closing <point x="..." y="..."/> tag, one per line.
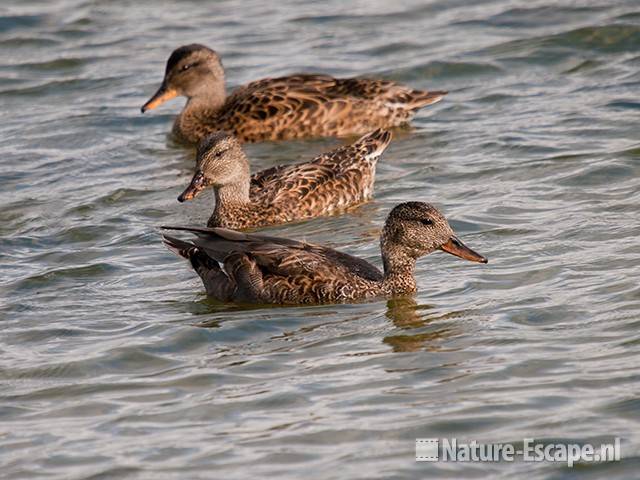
<point x="301" y="106"/>
<point x="273" y="270"/>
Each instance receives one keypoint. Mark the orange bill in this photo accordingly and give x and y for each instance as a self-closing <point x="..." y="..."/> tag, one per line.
<point x="162" y="95"/>
<point x="454" y="246"/>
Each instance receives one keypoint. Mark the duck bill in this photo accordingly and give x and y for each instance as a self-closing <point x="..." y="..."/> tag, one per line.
<point x="194" y="188"/>
<point x="162" y="95"/>
<point x="454" y="246"/>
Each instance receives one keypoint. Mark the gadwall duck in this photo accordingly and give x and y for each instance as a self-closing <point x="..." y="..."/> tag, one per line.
<point x="263" y="269"/>
<point x="282" y="108"/>
<point x="285" y="193"/>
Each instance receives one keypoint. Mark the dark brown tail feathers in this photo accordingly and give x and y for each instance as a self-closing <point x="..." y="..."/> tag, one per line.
<point x="200" y="261"/>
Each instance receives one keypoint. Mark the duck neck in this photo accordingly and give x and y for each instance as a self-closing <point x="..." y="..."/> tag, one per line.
<point x="230" y="196"/>
<point x="199" y="111"/>
<point x="399" y="268"/>
<point x="208" y="99"/>
<point x="204" y="105"/>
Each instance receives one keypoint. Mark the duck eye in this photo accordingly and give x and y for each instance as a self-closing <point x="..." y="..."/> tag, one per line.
<point x="426" y="221"/>
<point x="187" y="66"/>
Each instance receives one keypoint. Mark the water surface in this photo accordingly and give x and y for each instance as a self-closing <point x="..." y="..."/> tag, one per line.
<point x="113" y="363"/>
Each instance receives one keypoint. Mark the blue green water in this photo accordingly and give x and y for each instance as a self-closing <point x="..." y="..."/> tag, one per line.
<point x="113" y="364"/>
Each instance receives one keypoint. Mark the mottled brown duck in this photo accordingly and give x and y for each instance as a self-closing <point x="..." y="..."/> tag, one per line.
<point x="333" y="181"/>
<point x="295" y="106"/>
<point x="249" y="268"/>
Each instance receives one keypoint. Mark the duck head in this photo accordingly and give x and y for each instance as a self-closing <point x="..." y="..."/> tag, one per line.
<point x="192" y="70"/>
<point x="220" y="162"/>
<point x="415" y="229"/>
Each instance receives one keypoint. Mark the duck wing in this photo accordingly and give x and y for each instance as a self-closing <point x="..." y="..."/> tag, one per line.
<point x="343" y="172"/>
<point x="365" y="150"/>
<point x="285" y="93"/>
<point x="390" y="93"/>
<point x="360" y="88"/>
<point x="277" y="97"/>
<point x="279" y="256"/>
<point x="309" y="105"/>
<point x="262" y="179"/>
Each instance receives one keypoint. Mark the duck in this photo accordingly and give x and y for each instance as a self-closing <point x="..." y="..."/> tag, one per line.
<point x="251" y="268"/>
<point x="283" y="108"/>
<point x="330" y="182"/>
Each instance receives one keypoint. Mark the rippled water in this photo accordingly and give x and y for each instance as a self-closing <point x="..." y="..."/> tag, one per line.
<point x="114" y="365"/>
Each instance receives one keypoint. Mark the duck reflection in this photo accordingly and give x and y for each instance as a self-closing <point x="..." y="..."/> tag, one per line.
<point x="426" y="328"/>
<point x="406" y="314"/>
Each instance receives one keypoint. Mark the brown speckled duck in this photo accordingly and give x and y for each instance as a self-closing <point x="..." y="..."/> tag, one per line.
<point x="263" y="269"/>
<point x="295" y="106"/>
<point x="332" y="181"/>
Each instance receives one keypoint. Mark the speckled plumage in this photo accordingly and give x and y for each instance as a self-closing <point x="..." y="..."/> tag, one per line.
<point x="264" y="269"/>
<point x="295" y="106"/>
<point x="330" y="182"/>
